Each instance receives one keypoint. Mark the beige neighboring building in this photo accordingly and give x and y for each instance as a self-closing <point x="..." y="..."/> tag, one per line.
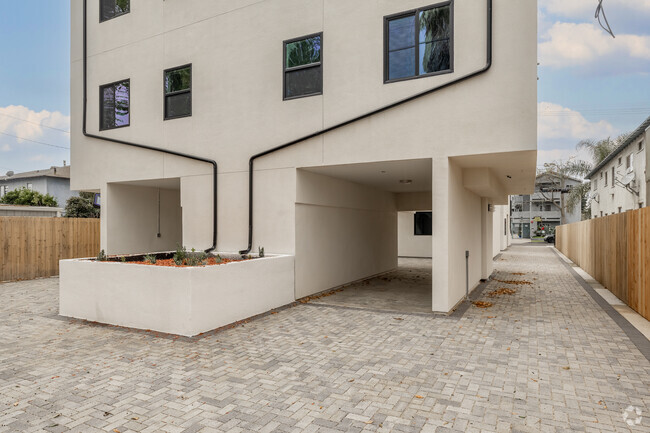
<point x="620" y="182"/>
<point x="341" y="113"/>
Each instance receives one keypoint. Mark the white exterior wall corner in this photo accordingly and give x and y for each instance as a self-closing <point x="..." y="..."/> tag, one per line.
<point x="408" y="244"/>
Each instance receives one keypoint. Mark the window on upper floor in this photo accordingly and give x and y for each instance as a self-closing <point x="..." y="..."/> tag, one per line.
<point x="422" y="223"/>
<point x="419" y="43"/>
<point x="3" y="190"/>
<point x="30" y="186"/>
<point x="613" y="177"/>
<point x="629" y="161"/>
<point x="640" y="145"/>
<point x="113" y="8"/>
<point x="594" y="184"/>
<point x="178" y="92"/>
<point x="303" y="66"/>
<point x="114" y="105"/>
<point x="620" y="160"/>
<point x="605" y="177"/>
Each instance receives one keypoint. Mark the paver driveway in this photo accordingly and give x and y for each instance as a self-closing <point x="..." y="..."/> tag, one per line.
<point x="544" y="359"/>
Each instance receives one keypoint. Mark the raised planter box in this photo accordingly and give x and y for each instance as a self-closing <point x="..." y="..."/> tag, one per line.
<point x="184" y="301"/>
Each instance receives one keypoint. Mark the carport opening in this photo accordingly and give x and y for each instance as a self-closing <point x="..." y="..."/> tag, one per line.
<point x="143" y="216"/>
<point x="351" y="244"/>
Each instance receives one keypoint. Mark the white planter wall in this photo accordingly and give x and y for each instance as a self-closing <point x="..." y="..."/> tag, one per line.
<point x="182" y="301"/>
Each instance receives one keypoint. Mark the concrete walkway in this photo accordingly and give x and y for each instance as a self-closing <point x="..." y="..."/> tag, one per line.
<point x="547" y="358"/>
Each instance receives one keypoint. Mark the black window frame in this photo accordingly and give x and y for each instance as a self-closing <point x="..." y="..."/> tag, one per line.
<point x="178" y="92"/>
<point x="415" y="224"/>
<point x="102" y="19"/>
<point x="297" y="68"/>
<point x="416" y="13"/>
<point x="101" y="104"/>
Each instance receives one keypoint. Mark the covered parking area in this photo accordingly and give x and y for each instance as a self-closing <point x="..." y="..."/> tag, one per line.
<point x="348" y="224"/>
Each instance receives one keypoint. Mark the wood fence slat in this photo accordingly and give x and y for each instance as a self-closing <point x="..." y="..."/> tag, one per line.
<point x="614" y="250"/>
<point x="31" y="247"/>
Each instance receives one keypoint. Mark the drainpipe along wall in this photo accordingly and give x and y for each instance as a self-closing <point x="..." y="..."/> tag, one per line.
<point x="251" y="162"/>
<point x="143" y="146"/>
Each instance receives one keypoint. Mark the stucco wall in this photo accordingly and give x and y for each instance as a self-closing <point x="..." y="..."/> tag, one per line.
<point x="344" y="232"/>
<point x="465" y="211"/>
<point x="409" y="245"/>
<point x="157" y="35"/>
<point x="500" y="238"/>
<point x="132" y="219"/>
<point x="611" y="197"/>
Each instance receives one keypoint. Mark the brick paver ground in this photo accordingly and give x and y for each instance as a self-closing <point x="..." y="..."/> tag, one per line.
<point x="546" y="359"/>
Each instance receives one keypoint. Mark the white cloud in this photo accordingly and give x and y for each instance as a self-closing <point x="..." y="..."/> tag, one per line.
<point x="23" y="122"/>
<point x="557" y="122"/>
<point x="5" y="148"/>
<point x="569" y="44"/>
<point x="586" y="8"/>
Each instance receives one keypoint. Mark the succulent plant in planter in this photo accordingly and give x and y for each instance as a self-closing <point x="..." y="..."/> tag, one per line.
<point x="101" y="257"/>
<point x="150" y="258"/>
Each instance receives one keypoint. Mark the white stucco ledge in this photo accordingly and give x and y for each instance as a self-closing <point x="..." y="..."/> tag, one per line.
<point x="183" y="301"/>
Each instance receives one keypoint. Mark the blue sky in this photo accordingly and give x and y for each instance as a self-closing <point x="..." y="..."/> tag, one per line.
<point x="591" y="85"/>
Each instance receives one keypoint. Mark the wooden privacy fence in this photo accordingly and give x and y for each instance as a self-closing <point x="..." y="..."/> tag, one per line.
<point x="31" y="247"/>
<point x="614" y="250"/>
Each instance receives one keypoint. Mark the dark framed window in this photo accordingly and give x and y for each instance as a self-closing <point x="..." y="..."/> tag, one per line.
<point x="109" y="9"/>
<point x="114" y="105"/>
<point x="422" y="222"/>
<point x="303" y="66"/>
<point x="178" y="92"/>
<point x="419" y="43"/>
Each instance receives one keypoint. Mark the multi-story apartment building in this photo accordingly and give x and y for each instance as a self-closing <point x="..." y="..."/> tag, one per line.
<point x="304" y="126"/>
<point x="542" y="211"/>
<point x="620" y="182"/>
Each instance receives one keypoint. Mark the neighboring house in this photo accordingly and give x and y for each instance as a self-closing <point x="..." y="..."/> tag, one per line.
<point x="341" y="114"/>
<point x="541" y="211"/>
<point x="620" y="182"/>
<point x="54" y="181"/>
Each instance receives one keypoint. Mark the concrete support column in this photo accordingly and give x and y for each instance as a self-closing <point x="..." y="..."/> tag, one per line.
<point x="487" y="265"/>
<point x="440" y="234"/>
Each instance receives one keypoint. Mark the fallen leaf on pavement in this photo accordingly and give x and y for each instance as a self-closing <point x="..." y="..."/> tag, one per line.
<point x="482" y="304"/>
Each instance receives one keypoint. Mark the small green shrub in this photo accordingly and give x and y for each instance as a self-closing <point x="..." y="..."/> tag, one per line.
<point x="196" y="259"/>
<point x="101" y="257"/>
<point x="27" y="197"/>
<point x="218" y="259"/>
<point x="180" y="255"/>
<point x="261" y="251"/>
<point x="123" y="259"/>
<point x="150" y="258"/>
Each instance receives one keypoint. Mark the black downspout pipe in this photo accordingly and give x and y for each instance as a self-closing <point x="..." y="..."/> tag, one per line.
<point x="488" y="65"/>
<point x="142" y="146"/>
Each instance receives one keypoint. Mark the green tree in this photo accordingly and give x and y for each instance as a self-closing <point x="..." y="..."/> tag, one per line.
<point x="28" y="197"/>
<point x="557" y="173"/>
<point x="600" y="149"/>
<point x="81" y="206"/>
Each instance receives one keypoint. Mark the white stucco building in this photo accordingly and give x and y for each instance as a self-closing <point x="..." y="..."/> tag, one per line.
<point x="620" y="182"/>
<point x="541" y="211"/>
<point x="322" y="118"/>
